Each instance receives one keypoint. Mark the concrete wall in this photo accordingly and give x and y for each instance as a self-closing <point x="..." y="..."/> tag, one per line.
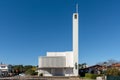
<point x="75" y="43"/>
<point x="68" y="55"/>
<point x="57" y="59"/>
<point x="52" y="61"/>
<point x="56" y="53"/>
<point x="56" y="72"/>
<point x="69" y="59"/>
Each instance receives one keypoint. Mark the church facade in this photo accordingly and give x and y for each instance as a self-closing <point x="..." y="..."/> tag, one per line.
<point x="62" y="63"/>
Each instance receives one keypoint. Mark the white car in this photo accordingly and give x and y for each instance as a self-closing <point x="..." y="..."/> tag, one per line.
<point x="22" y="74"/>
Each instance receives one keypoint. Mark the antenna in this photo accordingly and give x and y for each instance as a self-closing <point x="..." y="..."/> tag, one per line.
<point x="76" y="8"/>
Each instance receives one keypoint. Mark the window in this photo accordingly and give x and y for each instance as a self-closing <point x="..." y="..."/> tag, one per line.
<point x="3" y="66"/>
<point x="75" y="65"/>
<point x="75" y="16"/>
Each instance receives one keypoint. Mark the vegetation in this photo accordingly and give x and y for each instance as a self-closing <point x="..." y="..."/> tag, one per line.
<point x="28" y="69"/>
<point x="107" y="69"/>
<point x="31" y="72"/>
<point x="90" y="76"/>
<point x="112" y="72"/>
<point x="83" y="65"/>
<point x="41" y="74"/>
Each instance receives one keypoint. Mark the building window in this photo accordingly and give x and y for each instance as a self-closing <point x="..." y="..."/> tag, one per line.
<point x="3" y="66"/>
<point x="75" y="65"/>
<point x="75" y="16"/>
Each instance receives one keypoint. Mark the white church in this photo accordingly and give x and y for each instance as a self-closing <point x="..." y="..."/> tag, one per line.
<point x="62" y="63"/>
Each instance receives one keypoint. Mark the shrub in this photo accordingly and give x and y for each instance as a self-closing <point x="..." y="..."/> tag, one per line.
<point x="41" y="74"/>
<point x="30" y="72"/>
<point x="113" y="72"/>
<point x="91" y="76"/>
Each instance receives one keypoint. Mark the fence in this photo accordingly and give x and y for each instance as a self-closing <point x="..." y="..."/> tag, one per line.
<point x="113" y="77"/>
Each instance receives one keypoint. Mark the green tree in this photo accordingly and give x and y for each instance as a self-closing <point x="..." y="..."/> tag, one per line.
<point x="113" y="72"/>
<point x="83" y="65"/>
<point x="27" y="67"/>
<point x="17" y="69"/>
<point x="31" y="71"/>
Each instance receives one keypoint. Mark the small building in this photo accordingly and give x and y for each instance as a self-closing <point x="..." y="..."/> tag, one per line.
<point x="95" y="69"/>
<point x="5" y="69"/>
<point x="116" y="65"/>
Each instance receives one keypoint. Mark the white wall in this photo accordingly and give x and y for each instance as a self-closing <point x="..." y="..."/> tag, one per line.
<point x="44" y="72"/>
<point x="56" y="53"/>
<point x="75" y="42"/>
<point x="69" y="59"/>
<point x="52" y="61"/>
<point x="68" y="55"/>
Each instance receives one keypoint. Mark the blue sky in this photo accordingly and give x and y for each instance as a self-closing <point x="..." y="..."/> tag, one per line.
<point x="30" y="28"/>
